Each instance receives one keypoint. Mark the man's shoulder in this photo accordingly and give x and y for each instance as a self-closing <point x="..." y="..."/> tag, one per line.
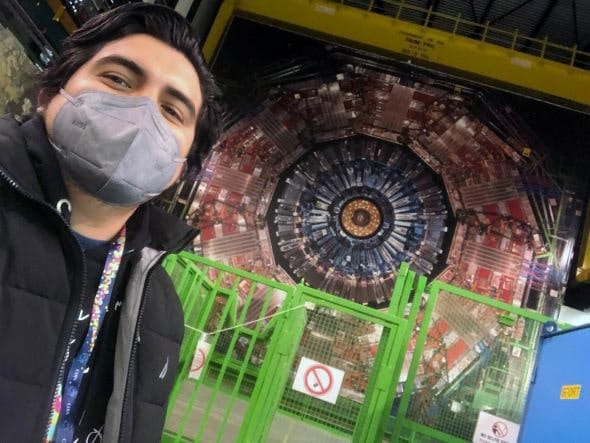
<point x="14" y="156"/>
<point x="162" y="282"/>
<point x="8" y="122"/>
<point x="161" y="279"/>
<point x="10" y="131"/>
<point x="169" y="233"/>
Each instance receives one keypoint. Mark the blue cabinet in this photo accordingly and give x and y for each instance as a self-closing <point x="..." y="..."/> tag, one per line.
<point x="558" y="404"/>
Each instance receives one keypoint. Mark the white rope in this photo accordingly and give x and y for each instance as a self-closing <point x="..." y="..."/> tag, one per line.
<point x="245" y="324"/>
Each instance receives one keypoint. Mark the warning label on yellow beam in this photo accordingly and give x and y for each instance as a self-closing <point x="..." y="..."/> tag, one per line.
<point x="570" y="392"/>
<point x="421" y="46"/>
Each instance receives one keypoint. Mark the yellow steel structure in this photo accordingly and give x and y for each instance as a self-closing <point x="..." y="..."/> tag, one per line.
<point x="583" y="270"/>
<point x="61" y="15"/>
<point x="493" y="58"/>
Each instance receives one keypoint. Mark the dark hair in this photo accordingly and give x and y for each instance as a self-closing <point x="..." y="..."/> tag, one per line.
<point x="159" y="22"/>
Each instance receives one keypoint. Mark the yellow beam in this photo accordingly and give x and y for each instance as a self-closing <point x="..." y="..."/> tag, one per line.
<point x="61" y="15"/>
<point x="218" y="28"/>
<point x="583" y="270"/>
<point x="359" y="28"/>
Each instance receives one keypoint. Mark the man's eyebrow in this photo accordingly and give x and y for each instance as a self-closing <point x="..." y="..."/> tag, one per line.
<point x="123" y="61"/>
<point x="139" y="71"/>
<point x="173" y="92"/>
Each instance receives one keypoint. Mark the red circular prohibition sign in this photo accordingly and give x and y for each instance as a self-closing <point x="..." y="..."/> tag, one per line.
<point x="500" y="429"/>
<point x="200" y="360"/>
<point x="318" y="380"/>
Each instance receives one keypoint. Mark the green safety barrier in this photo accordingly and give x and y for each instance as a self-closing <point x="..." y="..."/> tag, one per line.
<point x="263" y="361"/>
<point x="497" y="344"/>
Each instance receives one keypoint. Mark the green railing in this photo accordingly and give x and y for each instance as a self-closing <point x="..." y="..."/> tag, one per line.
<point x="245" y="339"/>
<point x="261" y="361"/>
<point x="487" y="365"/>
<point x="484" y="32"/>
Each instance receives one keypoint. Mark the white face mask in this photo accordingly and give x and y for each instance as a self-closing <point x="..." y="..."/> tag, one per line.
<point x="117" y="148"/>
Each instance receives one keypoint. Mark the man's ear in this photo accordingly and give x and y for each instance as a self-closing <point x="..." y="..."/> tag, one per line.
<point x="43" y="99"/>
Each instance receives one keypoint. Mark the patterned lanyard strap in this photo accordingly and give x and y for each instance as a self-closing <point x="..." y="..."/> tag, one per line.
<point x="61" y="425"/>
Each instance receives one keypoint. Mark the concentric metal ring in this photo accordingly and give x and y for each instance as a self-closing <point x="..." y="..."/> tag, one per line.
<point x="361" y="218"/>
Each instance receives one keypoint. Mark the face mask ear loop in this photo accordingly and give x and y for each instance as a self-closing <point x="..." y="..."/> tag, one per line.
<point x="57" y="148"/>
<point x="69" y="98"/>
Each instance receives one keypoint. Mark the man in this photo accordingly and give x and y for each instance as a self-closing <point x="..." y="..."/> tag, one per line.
<point x="90" y="325"/>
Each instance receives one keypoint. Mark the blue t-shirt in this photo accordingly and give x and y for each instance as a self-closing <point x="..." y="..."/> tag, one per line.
<point x="88" y="243"/>
<point x="97" y="384"/>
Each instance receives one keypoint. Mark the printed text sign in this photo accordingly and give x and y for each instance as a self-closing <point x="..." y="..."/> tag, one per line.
<point x="492" y="429"/>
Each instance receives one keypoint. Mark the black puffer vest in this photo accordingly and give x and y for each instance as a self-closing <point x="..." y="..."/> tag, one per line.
<point x="40" y="291"/>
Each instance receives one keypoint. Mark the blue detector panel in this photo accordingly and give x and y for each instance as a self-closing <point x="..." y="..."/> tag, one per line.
<point x="558" y="405"/>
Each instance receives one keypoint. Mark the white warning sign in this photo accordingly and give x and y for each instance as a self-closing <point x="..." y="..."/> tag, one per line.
<point x="200" y="358"/>
<point x="318" y="380"/>
<point x="492" y="429"/>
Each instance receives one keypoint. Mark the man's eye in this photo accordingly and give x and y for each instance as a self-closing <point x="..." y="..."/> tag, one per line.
<point x="118" y="80"/>
<point x="172" y="113"/>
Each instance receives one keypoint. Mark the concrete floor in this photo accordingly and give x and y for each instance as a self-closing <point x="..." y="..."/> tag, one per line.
<point x="284" y="429"/>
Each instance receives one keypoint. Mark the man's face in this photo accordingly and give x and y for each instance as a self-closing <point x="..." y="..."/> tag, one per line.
<point x="143" y="66"/>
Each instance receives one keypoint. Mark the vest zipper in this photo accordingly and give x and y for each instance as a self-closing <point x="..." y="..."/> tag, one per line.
<point x="63" y="349"/>
<point x="136" y="340"/>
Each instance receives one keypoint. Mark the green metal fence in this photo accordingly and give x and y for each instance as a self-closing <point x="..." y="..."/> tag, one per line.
<point x="263" y="361"/>
<point x="260" y="361"/>
<point x="220" y="366"/>
<point x="468" y="354"/>
<point x="357" y="342"/>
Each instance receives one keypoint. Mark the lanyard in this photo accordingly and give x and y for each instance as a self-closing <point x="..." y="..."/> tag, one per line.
<point x="61" y="425"/>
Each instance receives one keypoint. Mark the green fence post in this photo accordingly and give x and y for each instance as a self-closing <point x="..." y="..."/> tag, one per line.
<point x="227" y="313"/>
<point x="225" y="364"/>
<point x="418" y="350"/>
<point x="274" y="372"/>
<point x="255" y="334"/>
<point x="202" y="320"/>
<point x="382" y="385"/>
<point x="191" y="337"/>
<point x="411" y="319"/>
<point x="396" y="294"/>
<point x="405" y="296"/>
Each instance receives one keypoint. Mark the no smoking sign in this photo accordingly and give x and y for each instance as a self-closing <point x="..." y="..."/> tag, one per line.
<point x="200" y="358"/>
<point x="493" y="429"/>
<point x="318" y="380"/>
